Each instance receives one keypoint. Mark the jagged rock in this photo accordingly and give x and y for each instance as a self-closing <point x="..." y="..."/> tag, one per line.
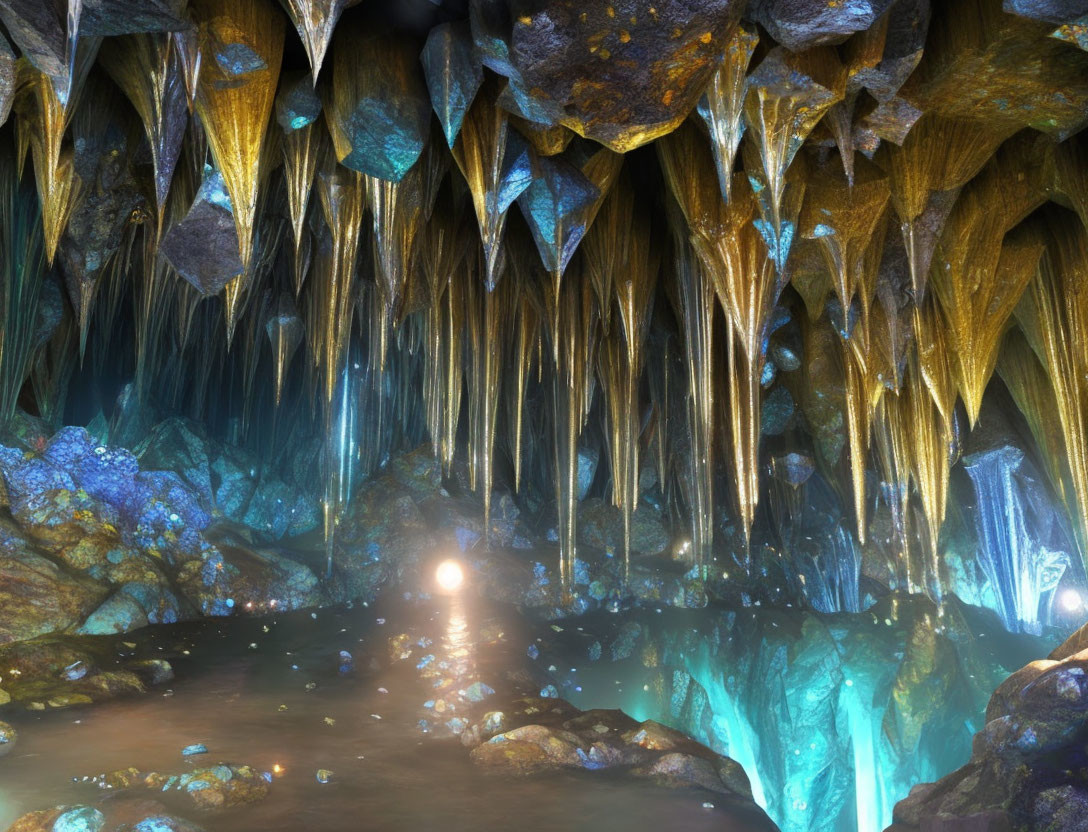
<point x="620" y="73"/>
<point x="203" y="247"/>
<point x="58" y="671"/>
<point x="113" y="815"/>
<point x="234" y="577"/>
<point x="800" y="24"/>
<point x="600" y="525"/>
<point x="214" y="787"/>
<point x="37" y="596"/>
<point x="1024" y="771"/>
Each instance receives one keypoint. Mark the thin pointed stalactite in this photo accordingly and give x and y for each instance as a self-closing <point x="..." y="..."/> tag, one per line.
<point x="695" y="290"/>
<point x="620" y="259"/>
<point x="570" y="384"/>
<point x="342" y="195"/>
<point x="938" y="157"/>
<point x="1054" y="316"/>
<point x="787" y="95"/>
<point x="236" y="91"/>
<point x="722" y="107"/>
<point x="847" y="221"/>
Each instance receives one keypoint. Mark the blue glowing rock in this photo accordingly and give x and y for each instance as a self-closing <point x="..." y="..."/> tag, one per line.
<point x="297" y="104"/>
<point x="80" y="819"/>
<point x="382" y="129"/>
<point x="453" y="74"/>
<point x="549" y="692"/>
<point x="554" y="206"/>
<point x="120" y="613"/>
<point x="193" y="750"/>
<point x="478" y="692"/>
<point x="8" y="737"/>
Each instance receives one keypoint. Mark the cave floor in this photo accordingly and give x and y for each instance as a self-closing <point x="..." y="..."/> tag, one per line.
<point x="276" y="693"/>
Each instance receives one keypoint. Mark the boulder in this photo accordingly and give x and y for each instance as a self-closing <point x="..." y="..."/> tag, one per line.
<point x="36" y="595"/>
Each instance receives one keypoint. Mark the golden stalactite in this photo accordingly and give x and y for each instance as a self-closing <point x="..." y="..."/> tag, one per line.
<point x="624" y="268"/>
<point x="1028" y="382"/>
<point x="315" y="21"/>
<point x="235" y="94"/>
<point x="787" y="96"/>
<point x="526" y="272"/>
<point x="938" y="156"/>
<point x="481" y="155"/>
<point x="43" y="120"/>
<point x="1054" y="317"/>
<point x="443" y="243"/>
<point x="343" y="203"/>
<point x="928" y="445"/>
<point x="979" y="271"/>
<point x="847" y="220"/>
<point x="723" y="104"/>
<point x="148" y="70"/>
<point x="302" y="149"/>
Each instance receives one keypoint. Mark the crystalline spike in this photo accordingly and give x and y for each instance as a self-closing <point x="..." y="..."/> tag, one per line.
<point x="378" y="111"/>
<point x="235" y="94"/>
<point x="1020" y="570"/>
<point x="285" y="332"/>
<point x="978" y="280"/>
<point x="454" y="76"/>
<point x="497" y="165"/>
<point x="722" y="108"/>
<point x="315" y="21"/>
<point x="735" y="256"/>
<point x="938" y="156"/>
<point x="1054" y="317"/>
<point x="148" y="70"/>
<point x="304" y="143"/>
<point x="787" y="95"/>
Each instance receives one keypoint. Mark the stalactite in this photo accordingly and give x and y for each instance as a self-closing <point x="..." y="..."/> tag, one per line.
<point x="235" y="95"/>
<point x="1054" y="317"/>
<point x="846" y="218"/>
<point x="787" y="95"/>
<point x="723" y="105"/>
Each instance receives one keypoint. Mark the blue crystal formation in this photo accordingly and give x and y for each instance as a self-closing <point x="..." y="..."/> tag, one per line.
<point x="554" y="205"/>
<point x="382" y="129"/>
<point x="1022" y="570"/>
<point x="453" y="74"/>
<point x="297" y="105"/>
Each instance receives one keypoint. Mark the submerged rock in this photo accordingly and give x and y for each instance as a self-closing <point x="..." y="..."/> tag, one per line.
<point x="8" y="737"/>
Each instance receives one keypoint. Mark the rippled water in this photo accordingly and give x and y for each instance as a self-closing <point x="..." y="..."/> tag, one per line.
<point x="230" y="694"/>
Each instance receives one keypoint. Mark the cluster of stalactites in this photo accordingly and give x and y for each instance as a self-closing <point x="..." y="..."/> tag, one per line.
<point x="838" y="190"/>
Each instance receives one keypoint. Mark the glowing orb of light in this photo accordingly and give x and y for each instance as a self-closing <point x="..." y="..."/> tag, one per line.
<point x="1071" y="601"/>
<point x="449" y="575"/>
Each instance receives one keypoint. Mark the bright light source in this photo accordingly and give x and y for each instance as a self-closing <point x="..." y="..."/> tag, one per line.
<point x="449" y="575"/>
<point x="1071" y="601"/>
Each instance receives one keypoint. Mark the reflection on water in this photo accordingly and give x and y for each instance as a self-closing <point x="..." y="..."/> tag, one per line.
<point x="279" y="695"/>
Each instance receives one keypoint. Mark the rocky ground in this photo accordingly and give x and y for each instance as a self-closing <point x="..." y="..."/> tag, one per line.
<point x="1029" y="764"/>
